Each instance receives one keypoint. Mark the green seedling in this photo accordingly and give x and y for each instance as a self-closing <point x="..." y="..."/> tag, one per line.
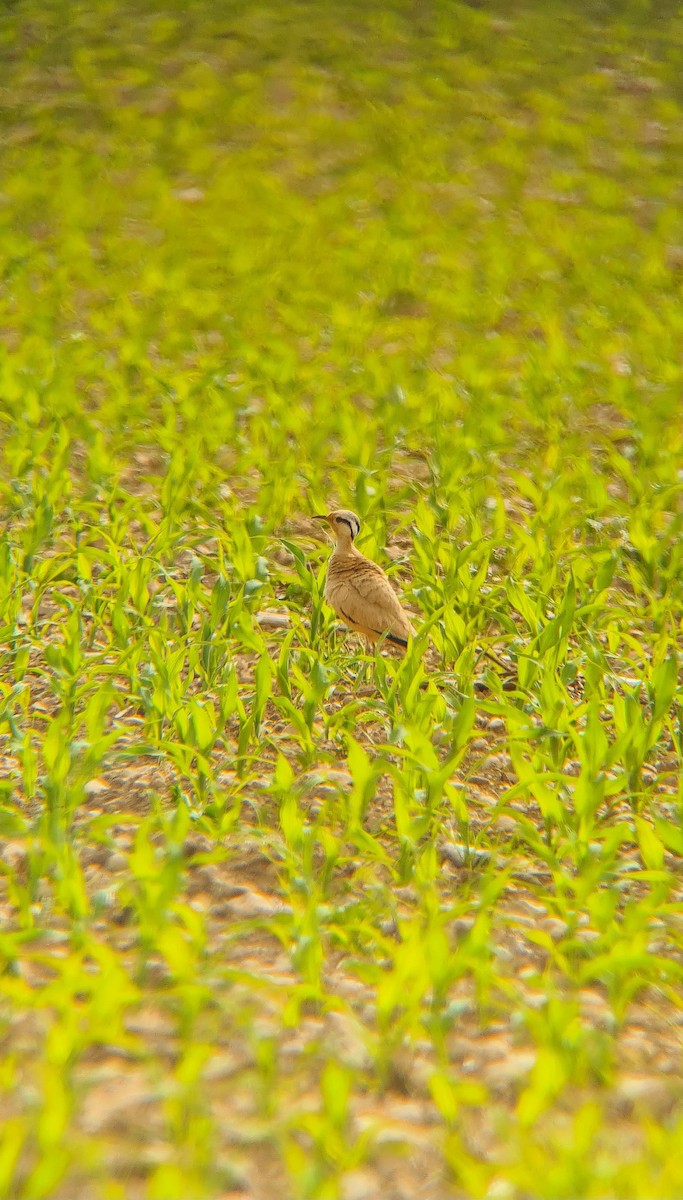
<point x="276" y="913"/>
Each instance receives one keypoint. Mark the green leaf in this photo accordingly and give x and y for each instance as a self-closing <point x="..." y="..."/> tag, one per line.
<point x="651" y="847"/>
<point x="663" y="686"/>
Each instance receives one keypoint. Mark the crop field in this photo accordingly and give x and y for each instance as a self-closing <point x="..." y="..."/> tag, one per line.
<point x="281" y="919"/>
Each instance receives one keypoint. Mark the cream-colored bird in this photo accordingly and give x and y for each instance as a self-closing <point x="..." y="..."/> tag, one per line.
<point x="358" y="590"/>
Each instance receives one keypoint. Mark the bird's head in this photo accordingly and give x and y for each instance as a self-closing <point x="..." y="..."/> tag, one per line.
<point x="344" y="524"/>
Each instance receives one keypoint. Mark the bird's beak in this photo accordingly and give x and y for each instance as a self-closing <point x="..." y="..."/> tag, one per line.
<point x="324" y="520"/>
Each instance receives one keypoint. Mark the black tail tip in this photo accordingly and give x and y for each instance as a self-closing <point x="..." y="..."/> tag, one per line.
<point x="396" y="640"/>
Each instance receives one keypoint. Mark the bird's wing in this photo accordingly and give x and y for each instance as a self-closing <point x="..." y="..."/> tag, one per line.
<point x="362" y="595"/>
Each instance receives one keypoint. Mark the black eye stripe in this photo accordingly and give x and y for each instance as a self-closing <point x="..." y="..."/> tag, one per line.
<point x="349" y="526"/>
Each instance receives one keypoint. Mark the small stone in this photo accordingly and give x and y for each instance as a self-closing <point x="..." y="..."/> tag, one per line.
<point x="647" y="1092"/>
<point x="359" y="1185"/>
<point x="197" y="843"/>
<point x="222" y="1066"/>
<point x="587" y="935"/>
<point x="95" y="787"/>
<point x="94" y="855"/>
<point x="478" y="795"/>
<point x="535" y="1000"/>
<point x="505" y="824"/>
<point x="15" y="854"/>
<point x="555" y="927"/>
<point x="256" y="904"/>
<point x="501" y="762"/>
<point x="207" y="878"/>
<point x="150" y="1022"/>
<point x="511" y="1070"/>
<point x="464" y="856"/>
<point x="480" y="781"/>
<point x="116" y="861"/>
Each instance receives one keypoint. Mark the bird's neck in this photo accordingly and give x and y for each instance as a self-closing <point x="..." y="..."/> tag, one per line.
<point x="346" y="548"/>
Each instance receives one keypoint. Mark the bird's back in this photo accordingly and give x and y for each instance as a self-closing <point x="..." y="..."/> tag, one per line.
<point x="361" y="594"/>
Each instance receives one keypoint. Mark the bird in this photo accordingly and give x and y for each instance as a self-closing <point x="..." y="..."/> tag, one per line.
<point x="358" y="589"/>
